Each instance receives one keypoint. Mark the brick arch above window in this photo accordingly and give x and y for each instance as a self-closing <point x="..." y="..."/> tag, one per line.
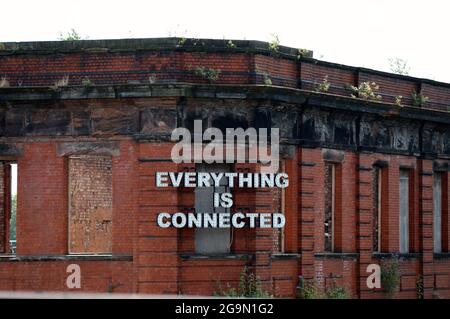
<point x="88" y="148"/>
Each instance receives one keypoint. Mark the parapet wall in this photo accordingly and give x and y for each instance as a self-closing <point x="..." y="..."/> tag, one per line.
<point x="178" y="60"/>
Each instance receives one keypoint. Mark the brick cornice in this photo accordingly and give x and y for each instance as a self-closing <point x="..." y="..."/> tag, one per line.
<point x="222" y="91"/>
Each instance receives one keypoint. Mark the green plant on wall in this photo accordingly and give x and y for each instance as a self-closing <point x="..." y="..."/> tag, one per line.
<point x="418" y="99"/>
<point x="419" y="287"/>
<point x="230" y="44"/>
<point x="302" y="53"/>
<point x="310" y="290"/>
<point x="249" y="286"/>
<point x="390" y="277"/>
<point x="64" y="81"/>
<point x="398" y="100"/>
<point x="267" y="79"/>
<point x="212" y="75"/>
<point x="87" y="82"/>
<point x="72" y="35"/>
<point x="274" y="43"/>
<point x="323" y="86"/>
<point x="12" y="225"/>
<point x="181" y="41"/>
<point x="399" y="66"/>
<point x="4" y="83"/>
<point x="337" y="292"/>
<point x="152" y="79"/>
<point x="366" y="91"/>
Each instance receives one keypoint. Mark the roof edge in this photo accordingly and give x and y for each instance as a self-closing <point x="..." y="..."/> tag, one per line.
<point x="185" y="44"/>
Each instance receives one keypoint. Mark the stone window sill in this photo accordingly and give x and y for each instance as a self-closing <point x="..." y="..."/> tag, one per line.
<point x="337" y="255"/>
<point x="285" y="256"/>
<point x="441" y="255"/>
<point x="214" y="256"/>
<point x="66" y="257"/>
<point x="397" y="255"/>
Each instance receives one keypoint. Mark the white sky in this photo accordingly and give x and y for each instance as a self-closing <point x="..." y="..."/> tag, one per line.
<point x="355" y="32"/>
<point x="13" y="179"/>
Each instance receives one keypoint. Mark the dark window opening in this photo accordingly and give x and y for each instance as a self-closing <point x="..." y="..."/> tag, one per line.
<point x="404" y="210"/>
<point x="377" y="208"/>
<point x="8" y="207"/>
<point x="330" y="206"/>
<point x="440" y="212"/>
<point x="333" y="207"/>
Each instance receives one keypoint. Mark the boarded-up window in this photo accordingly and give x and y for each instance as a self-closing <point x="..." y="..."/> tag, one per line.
<point x="211" y="240"/>
<point x="90" y="204"/>
<point x="404" y="210"/>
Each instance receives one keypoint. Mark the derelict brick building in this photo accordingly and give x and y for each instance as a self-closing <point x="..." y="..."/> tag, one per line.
<point x="88" y="123"/>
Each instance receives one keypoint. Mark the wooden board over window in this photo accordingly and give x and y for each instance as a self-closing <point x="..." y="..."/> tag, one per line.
<point x="90" y="204"/>
<point x="211" y="240"/>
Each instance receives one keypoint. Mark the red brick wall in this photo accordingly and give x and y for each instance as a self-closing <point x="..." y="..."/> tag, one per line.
<point x="206" y="277"/>
<point x="125" y="198"/>
<point x="284" y="274"/>
<point x="438" y="98"/>
<point x="96" y="276"/>
<point x="445" y="211"/>
<point x="336" y="272"/>
<point x="43" y="181"/>
<point x="42" y="221"/>
<point x="291" y="230"/>
<point x="312" y="74"/>
<point x="156" y="249"/>
<point x="390" y="87"/>
<point x="281" y="72"/>
<point x="235" y="68"/>
<point x="440" y="278"/>
<point x="119" y="68"/>
<point x="160" y="264"/>
<point x="311" y="208"/>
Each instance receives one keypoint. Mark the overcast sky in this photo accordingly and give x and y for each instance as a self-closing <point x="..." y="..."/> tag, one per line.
<point x="354" y="32"/>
